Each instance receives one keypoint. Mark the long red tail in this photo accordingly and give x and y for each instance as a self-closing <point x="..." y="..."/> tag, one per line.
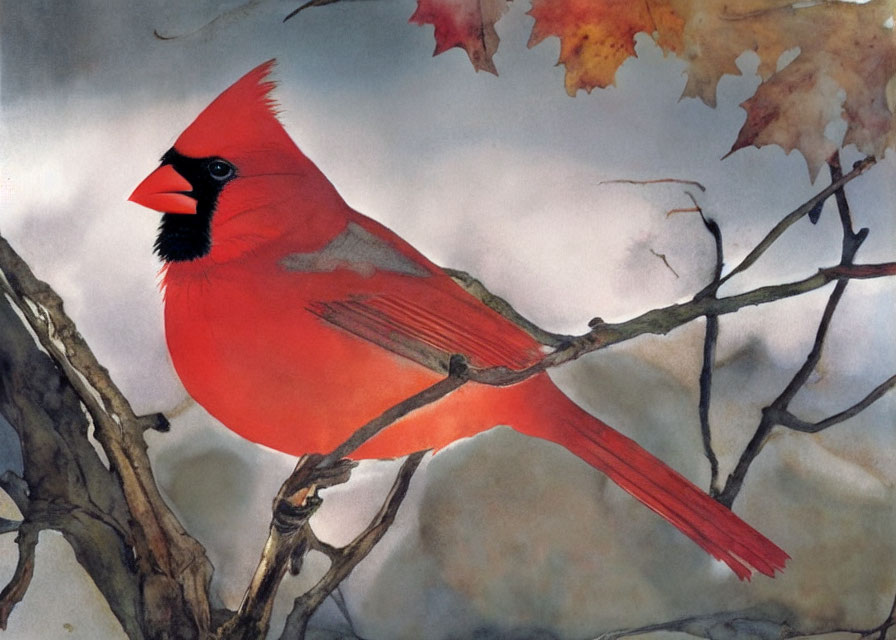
<point x="708" y="523"/>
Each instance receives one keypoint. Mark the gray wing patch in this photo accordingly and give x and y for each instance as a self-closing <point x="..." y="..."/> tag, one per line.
<point x="356" y="249"/>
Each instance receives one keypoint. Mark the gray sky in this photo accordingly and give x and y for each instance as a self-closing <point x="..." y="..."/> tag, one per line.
<point x="499" y="176"/>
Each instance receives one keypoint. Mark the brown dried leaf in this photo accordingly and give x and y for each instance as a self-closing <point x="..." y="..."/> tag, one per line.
<point x="846" y="60"/>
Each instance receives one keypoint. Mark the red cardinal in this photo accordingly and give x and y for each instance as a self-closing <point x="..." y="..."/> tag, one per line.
<point x="289" y="317"/>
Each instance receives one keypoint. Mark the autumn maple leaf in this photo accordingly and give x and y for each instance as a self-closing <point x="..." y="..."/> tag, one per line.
<point x="843" y="66"/>
<point x="846" y="60"/>
<point x="468" y="24"/>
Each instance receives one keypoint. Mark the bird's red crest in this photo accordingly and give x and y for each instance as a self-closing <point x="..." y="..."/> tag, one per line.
<point x="241" y="117"/>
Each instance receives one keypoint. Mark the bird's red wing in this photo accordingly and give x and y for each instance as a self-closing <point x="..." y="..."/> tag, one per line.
<point x="431" y="327"/>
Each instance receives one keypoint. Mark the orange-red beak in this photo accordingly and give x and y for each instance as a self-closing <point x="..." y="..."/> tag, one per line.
<point x="165" y="190"/>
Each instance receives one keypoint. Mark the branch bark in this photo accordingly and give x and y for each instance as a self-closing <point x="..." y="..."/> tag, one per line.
<point x="15" y="590"/>
<point x="710" y="340"/>
<point x="662" y="321"/>
<point x="52" y="390"/>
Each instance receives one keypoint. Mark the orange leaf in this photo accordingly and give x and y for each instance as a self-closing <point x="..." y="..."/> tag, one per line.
<point x="468" y="24"/>
<point x="597" y="36"/>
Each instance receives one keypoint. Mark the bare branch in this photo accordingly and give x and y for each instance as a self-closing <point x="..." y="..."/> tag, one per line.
<point x="662" y="256"/>
<point x="787" y="419"/>
<point x="710" y="340"/>
<point x="310" y="3"/>
<point x="345" y="559"/>
<point x="779" y="407"/>
<point x="803" y="210"/>
<point x="154" y="421"/>
<point x="295" y="503"/>
<point x="663" y="320"/>
<point x="863" y="271"/>
<point x="15" y="590"/>
<point x="657" y="181"/>
<point x="113" y="525"/>
<point x="886" y="625"/>
<point x="290" y="537"/>
<point x="672" y="212"/>
<point x="418" y="400"/>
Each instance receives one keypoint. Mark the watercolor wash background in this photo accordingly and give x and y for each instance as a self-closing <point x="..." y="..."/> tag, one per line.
<point x="501" y="177"/>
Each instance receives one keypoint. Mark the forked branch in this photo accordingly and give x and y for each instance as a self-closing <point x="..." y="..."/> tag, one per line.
<point x="777" y="411"/>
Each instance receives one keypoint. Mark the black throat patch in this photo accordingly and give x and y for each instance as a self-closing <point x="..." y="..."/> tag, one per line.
<point x="184" y="236"/>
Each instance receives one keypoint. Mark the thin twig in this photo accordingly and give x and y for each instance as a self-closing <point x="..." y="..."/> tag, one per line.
<point x="882" y="628"/>
<point x="339" y="598"/>
<point x="672" y="212"/>
<point x="803" y="210"/>
<point x="709" y="355"/>
<point x="662" y="256"/>
<point x="787" y="419"/>
<point x="693" y="183"/>
<point x="310" y="3"/>
<point x="863" y="271"/>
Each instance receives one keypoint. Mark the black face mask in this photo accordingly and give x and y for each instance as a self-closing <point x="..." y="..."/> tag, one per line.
<point x="184" y="236"/>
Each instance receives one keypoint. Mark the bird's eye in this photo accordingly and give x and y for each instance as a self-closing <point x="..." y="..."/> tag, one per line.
<point x="220" y="170"/>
